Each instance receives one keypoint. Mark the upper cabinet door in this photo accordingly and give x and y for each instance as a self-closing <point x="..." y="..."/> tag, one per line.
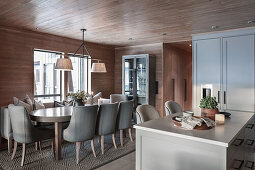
<point x="206" y="67"/>
<point x="238" y="73"/>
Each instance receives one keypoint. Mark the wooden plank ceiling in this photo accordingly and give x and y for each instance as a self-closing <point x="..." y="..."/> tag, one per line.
<point x="127" y="22"/>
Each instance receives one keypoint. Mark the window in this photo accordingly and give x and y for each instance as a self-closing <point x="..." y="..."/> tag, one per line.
<point x="77" y="78"/>
<point x="47" y="80"/>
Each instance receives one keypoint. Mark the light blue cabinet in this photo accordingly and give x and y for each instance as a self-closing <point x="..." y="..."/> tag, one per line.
<point x="206" y="67"/>
<point x="238" y="73"/>
<point x="225" y="62"/>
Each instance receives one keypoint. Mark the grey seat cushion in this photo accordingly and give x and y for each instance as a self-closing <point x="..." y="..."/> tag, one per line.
<point x="5" y="123"/>
<point x="125" y="115"/>
<point x="118" y="98"/>
<point x="82" y="125"/>
<point x="172" y="107"/>
<point x="106" y="120"/>
<point x="23" y="130"/>
<point x="145" y="113"/>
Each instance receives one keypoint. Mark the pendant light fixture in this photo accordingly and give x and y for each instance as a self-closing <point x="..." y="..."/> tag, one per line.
<point x="65" y="64"/>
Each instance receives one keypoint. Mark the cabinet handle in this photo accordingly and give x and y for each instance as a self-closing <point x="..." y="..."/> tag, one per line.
<point x="249" y="164"/>
<point x="249" y="142"/>
<point x="224" y="97"/>
<point x="240" y="142"/>
<point x="173" y="84"/>
<point x="240" y="164"/>
<point x="185" y="90"/>
<point x="218" y="96"/>
<point x="250" y="126"/>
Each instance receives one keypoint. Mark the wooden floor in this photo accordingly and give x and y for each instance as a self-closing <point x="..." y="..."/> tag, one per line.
<point x="124" y="163"/>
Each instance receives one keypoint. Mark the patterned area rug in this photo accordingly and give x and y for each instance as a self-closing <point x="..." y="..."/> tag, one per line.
<point x="45" y="159"/>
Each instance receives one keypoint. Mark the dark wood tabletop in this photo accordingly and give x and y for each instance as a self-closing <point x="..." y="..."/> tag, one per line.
<point x="57" y="114"/>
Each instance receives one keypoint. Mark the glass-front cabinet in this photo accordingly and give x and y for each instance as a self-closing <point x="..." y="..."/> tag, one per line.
<point x="138" y="78"/>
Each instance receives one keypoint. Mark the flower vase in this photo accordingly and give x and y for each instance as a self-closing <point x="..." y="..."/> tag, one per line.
<point x="79" y="102"/>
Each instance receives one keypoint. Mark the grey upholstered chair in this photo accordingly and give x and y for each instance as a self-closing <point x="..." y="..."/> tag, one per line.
<point x="172" y="107"/>
<point x="145" y="113"/>
<point x="118" y="98"/>
<point x="124" y="118"/>
<point x="5" y="127"/>
<point x="23" y="130"/>
<point x="82" y="127"/>
<point x="106" y="122"/>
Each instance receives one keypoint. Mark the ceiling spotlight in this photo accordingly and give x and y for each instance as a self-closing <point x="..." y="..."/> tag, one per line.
<point x="251" y="21"/>
<point x="214" y="27"/>
<point x="190" y="45"/>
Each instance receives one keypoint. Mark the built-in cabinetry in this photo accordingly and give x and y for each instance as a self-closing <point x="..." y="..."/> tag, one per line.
<point x="160" y="145"/>
<point x="138" y="78"/>
<point x="224" y="63"/>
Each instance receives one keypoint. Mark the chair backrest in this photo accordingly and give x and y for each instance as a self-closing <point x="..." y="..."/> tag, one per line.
<point x="145" y="113"/>
<point x="106" y="120"/>
<point x="94" y="99"/>
<point x="21" y="124"/>
<point x="125" y="115"/>
<point x="82" y="124"/>
<point x="118" y="98"/>
<point x="172" y="107"/>
<point x="5" y="123"/>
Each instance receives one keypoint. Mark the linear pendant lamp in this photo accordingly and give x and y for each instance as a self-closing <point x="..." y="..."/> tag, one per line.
<point x="65" y="64"/>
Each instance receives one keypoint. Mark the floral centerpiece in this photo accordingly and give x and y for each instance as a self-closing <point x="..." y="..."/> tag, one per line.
<point x="79" y="97"/>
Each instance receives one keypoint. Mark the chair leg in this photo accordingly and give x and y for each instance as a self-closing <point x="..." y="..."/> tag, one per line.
<point x="23" y="154"/>
<point x="121" y="137"/>
<point x="78" y="147"/>
<point x="40" y="146"/>
<point x="130" y="134"/>
<point x="9" y="145"/>
<point x="93" y="147"/>
<point x="36" y="146"/>
<point x="53" y="147"/>
<point x="113" y="140"/>
<point x="98" y="139"/>
<point x="102" y="145"/>
<point x="14" y="149"/>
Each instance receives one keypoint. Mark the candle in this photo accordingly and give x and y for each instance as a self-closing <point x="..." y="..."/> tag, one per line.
<point x="219" y="118"/>
<point x="100" y="101"/>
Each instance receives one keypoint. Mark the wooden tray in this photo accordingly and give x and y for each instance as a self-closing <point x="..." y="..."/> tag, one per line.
<point x="179" y="124"/>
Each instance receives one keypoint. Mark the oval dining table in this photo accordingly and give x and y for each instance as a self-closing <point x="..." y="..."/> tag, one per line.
<point x="56" y="115"/>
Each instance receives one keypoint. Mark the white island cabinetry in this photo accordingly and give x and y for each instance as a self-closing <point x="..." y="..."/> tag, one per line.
<point x="161" y="145"/>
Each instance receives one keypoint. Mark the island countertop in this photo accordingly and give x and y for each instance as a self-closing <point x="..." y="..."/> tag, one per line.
<point x="221" y="135"/>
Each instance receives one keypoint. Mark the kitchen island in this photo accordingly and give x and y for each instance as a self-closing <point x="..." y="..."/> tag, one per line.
<point x="163" y="146"/>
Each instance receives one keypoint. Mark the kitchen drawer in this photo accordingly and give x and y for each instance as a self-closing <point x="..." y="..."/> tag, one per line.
<point x="236" y="152"/>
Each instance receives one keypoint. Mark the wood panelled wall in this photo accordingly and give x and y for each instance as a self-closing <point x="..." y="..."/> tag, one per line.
<point x="16" y="61"/>
<point x="154" y="49"/>
<point x="177" y="69"/>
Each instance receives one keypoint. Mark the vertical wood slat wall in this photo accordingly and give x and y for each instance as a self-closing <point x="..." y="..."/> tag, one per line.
<point x="16" y="61"/>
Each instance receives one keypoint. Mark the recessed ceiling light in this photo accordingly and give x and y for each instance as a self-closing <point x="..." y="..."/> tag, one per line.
<point x="214" y="27"/>
<point x="190" y="45"/>
<point x="251" y="21"/>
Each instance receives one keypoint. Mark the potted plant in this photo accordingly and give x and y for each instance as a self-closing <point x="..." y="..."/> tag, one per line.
<point x="79" y="97"/>
<point x="209" y="107"/>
